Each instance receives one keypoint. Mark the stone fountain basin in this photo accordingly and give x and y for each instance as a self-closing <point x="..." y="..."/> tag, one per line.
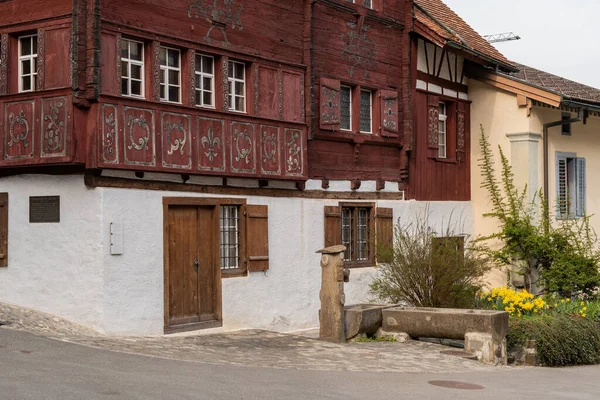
<point x="363" y="319"/>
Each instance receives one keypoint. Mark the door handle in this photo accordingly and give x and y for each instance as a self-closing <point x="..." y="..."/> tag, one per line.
<point x="196" y="263"/>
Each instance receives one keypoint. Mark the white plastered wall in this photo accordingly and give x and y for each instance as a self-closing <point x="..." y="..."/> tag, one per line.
<point x="72" y="273"/>
<point x="56" y="268"/>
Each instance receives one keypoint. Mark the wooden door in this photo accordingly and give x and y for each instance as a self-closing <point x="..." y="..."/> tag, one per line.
<point x="192" y="272"/>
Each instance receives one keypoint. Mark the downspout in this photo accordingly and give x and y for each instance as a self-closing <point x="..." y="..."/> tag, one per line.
<point x="546" y="160"/>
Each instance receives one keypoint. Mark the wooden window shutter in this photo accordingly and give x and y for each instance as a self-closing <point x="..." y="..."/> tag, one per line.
<point x="561" y="187"/>
<point x="333" y="226"/>
<point x="581" y="186"/>
<point x="384" y="226"/>
<point x="3" y="229"/>
<point x="462" y="129"/>
<point x="257" y="237"/>
<point x="389" y="107"/>
<point x="433" y="119"/>
<point x="330" y="104"/>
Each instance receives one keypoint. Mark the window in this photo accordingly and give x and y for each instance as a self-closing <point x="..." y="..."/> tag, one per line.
<point x="570" y="185"/>
<point x="27" y="63"/>
<point x="237" y="86"/>
<point x="132" y="68"/>
<point x="442" y="142"/>
<point x="230" y="237"/>
<point x="366" y="3"/>
<point x="356" y="233"/>
<point x="170" y="75"/>
<point x="346" y="108"/>
<point x="566" y="127"/>
<point x="366" y="111"/>
<point x="205" y="82"/>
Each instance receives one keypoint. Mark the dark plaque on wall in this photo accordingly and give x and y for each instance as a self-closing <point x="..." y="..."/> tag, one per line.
<point x="44" y="209"/>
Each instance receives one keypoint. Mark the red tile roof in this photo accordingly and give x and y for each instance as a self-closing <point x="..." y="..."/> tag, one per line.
<point x="438" y="17"/>
<point x="556" y="84"/>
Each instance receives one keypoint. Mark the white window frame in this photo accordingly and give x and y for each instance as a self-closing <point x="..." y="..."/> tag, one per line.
<point x="443" y="134"/>
<point x="370" y="92"/>
<point x="232" y="80"/>
<point x="32" y="59"/>
<point x="164" y="70"/>
<point x="350" y="105"/>
<point x="131" y="62"/>
<point x="200" y="76"/>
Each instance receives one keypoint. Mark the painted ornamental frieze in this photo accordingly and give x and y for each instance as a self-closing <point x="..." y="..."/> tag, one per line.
<point x="359" y="50"/>
<point x="177" y="145"/>
<point x="243" y="149"/>
<point x="221" y="15"/>
<point x="110" y="130"/>
<point x="41" y="57"/>
<point x="210" y="133"/>
<point x="270" y="150"/>
<point x="293" y="145"/>
<point x="139" y="137"/>
<point x="4" y="64"/>
<point x="460" y="137"/>
<point x="54" y="127"/>
<point x="19" y="130"/>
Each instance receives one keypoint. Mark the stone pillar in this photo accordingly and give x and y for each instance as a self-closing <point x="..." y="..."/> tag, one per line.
<point x="331" y="316"/>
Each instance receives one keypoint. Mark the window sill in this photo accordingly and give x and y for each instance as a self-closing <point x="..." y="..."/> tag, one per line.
<point x="359" y="264"/>
<point x="238" y="112"/>
<point x="206" y="107"/>
<point x="234" y="273"/>
<point x="132" y="96"/>
<point x="446" y="160"/>
<point x="170" y="102"/>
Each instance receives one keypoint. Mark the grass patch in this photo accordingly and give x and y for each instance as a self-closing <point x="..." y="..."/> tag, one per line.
<point x="365" y="339"/>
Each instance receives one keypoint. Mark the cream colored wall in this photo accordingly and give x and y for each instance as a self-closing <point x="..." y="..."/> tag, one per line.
<point x="584" y="142"/>
<point x="497" y="112"/>
<point x="502" y="119"/>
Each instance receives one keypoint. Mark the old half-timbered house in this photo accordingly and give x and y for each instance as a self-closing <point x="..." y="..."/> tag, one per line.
<point x="175" y="165"/>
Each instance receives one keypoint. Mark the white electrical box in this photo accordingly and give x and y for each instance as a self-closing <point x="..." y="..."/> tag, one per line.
<point x="116" y="238"/>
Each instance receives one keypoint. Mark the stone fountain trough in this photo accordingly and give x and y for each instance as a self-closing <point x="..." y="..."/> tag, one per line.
<point x="363" y="319"/>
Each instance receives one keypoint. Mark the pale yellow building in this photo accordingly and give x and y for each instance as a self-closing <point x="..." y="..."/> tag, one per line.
<point x="535" y="116"/>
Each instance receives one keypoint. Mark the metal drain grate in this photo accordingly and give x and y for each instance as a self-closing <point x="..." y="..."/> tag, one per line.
<point x="456" y="385"/>
<point x="459" y="353"/>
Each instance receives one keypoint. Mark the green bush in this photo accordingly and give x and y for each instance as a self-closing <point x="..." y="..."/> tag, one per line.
<point x="560" y="341"/>
<point x="429" y="268"/>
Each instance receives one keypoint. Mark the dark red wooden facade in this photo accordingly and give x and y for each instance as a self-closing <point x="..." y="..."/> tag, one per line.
<point x="296" y="55"/>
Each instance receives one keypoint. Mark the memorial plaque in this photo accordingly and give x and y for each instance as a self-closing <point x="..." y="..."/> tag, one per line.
<point x="44" y="209"/>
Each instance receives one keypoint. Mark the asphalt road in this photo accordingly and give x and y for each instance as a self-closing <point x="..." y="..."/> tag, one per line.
<point x="38" y="368"/>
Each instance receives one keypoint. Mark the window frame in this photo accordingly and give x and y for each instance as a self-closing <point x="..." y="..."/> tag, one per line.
<point x="238" y="245"/>
<point x="370" y="131"/>
<point x="200" y="75"/>
<point x="350" y="91"/>
<point x="354" y="262"/>
<point x="231" y="79"/>
<point x="134" y="62"/>
<point x="31" y="58"/>
<point x="572" y="189"/>
<point x="164" y="71"/>
<point x="443" y="121"/>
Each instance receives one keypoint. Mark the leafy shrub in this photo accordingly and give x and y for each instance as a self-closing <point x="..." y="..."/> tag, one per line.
<point x="427" y="269"/>
<point x="560" y="341"/>
<point x="564" y="254"/>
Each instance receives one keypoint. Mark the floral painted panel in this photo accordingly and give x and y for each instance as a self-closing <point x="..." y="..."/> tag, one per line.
<point x="270" y="150"/>
<point x="294" y="152"/>
<point x="19" y="130"/>
<point x="55" y="127"/>
<point x="243" y="147"/>
<point x="211" y="146"/>
<point x="177" y="140"/>
<point x="110" y="134"/>
<point x="139" y="136"/>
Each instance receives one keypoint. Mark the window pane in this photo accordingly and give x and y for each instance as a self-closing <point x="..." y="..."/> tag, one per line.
<point x="174" y="58"/>
<point x="239" y="88"/>
<point x="26" y="82"/>
<point x="368" y="3"/>
<point x="162" y="76"/>
<point x="124" y="48"/>
<point x="208" y="99"/>
<point x="34" y="47"/>
<point x="35" y="65"/>
<point x="173" y="77"/>
<point x="173" y="93"/>
<point x="207" y="65"/>
<point x="124" y="86"/>
<point x="229" y="225"/>
<point x="136" y="88"/>
<point x="198" y="103"/>
<point x="26" y="46"/>
<point x="163" y="56"/>
<point x="239" y="71"/>
<point x="207" y="84"/>
<point x="362" y="234"/>
<point x="230" y="69"/>
<point x="345" y="102"/>
<point x="347" y="233"/>
<point x="240" y="104"/>
<point x="136" y="51"/>
<point x="162" y="92"/>
<point x="442" y="109"/>
<point x="136" y="72"/>
<point x="365" y="111"/>
<point x="124" y="68"/>
<point x="26" y="67"/>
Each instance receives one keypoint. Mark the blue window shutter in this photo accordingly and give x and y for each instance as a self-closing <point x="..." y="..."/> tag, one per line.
<point x="562" y="194"/>
<point x="581" y="189"/>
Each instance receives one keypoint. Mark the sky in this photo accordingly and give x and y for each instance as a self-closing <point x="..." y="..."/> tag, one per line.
<point x="557" y="36"/>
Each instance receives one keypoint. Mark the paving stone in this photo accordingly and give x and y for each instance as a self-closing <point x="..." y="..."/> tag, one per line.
<point x="255" y="348"/>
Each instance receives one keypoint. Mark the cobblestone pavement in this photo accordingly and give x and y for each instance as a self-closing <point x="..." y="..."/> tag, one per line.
<point x="253" y="348"/>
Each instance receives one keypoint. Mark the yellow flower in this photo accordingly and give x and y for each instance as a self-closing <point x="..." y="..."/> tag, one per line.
<point x="584" y="309"/>
<point x="555" y="304"/>
<point x="582" y="304"/>
<point x="568" y="300"/>
<point x="583" y="315"/>
<point x="489" y="299"/>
